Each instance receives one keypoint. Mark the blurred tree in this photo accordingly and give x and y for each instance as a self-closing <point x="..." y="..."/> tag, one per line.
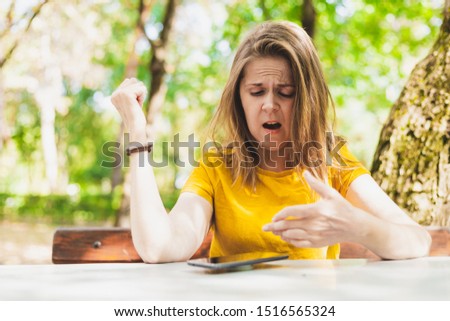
<point x="157" y="88"/>
<point x="4" y="127"/>
<point x="157" y="66"/>
<point x="367" y="49"/>
<point x="10" y="42"/>
<point x="87" y="47"/>
<point x="412" y="160"/>
<point x="47" y="70"/>
<point x="11" y="22"/>
<point x="309" y="17"/>
<point x="131" y="70"/>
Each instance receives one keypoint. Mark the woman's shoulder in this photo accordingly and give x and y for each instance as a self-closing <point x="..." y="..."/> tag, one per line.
<point x="344" y="167"/>
<point x="340" y="156"/>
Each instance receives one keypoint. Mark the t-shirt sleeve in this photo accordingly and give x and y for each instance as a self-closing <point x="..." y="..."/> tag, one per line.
<point x="345" y="169"/>
<point x="200" y="182"/>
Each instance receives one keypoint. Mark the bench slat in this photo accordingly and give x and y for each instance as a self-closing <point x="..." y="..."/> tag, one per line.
<point x="101" y="245"/>
<point x="109" y="245"/>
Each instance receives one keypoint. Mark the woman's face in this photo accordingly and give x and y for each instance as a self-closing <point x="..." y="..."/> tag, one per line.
<point x="267" y="93"/>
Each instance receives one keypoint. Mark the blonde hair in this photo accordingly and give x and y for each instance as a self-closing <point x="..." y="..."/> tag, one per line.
<point x="312" y="99"/>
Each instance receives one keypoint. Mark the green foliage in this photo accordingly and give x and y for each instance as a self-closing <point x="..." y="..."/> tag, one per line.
<point x="57" y="209"/>
<point x="367" y="48"/>
<point x="82" y="132"/>
<point x="26" y="132"/>
<point x="65" y="209"/>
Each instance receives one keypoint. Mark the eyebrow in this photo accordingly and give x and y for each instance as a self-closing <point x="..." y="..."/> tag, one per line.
<point x="259" y="84"/>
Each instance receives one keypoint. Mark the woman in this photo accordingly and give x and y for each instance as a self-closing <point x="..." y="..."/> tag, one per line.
<point x="284" y="184"/>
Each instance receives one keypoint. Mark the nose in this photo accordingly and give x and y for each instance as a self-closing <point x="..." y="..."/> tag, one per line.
<point x="269" y="103"/>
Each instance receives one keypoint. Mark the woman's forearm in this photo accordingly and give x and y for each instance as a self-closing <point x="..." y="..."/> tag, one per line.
<point x="391" y="240"/>
<point x="155" y="236"/>
<point x="149" y="219"/>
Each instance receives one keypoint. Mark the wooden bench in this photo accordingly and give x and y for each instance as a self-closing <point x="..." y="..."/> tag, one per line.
<point x="109" y="245"/>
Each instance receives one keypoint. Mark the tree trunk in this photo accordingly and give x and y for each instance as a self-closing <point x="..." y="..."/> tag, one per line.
<point x="309" y="17"/>
<point x="412" y="160"/>
<point x="4" y="129"/>
<point x="46" y="98"/>
<point x="47" y="111"/>
<point x="130" y="71"/>
<point x="265" y="11"/>
<point x="118" y="175"/>
<point x="157" y="66"/>
<point x="157" y="93"/>
<point x="8" y="53"/>
<point x="34" y="13"/>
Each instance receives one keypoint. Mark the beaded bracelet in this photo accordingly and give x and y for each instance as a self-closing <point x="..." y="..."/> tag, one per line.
<point x="140" y="148"/>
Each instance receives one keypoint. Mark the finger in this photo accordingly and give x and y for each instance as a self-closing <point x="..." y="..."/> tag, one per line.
<point x="321" y="188"/>
<point x="295" y="212"/>
<point x="141" y="99"/>
<point x="295" y="233"/>
<point x="139" y="91"/>
<point x="132" y="80"/>
<point x="299" y="243"/>
<point x="282" y="225"/>
<point x="124" y="83"/>
<point x="129" y="82"/>
<point x="138" y="86"/>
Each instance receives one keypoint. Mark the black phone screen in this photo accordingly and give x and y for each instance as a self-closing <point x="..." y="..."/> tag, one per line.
<point x="237" y="260"/>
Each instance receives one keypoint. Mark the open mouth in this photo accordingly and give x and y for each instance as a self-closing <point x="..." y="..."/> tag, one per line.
<point x="272" y="125"/>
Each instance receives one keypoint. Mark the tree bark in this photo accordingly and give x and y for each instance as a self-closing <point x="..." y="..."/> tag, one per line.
<point x="157" y="66"/>
<point x="309" y="17"/>
<point x="412" y="160"/>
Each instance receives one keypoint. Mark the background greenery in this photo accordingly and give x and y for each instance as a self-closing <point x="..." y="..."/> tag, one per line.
<point x="79" y="50"/>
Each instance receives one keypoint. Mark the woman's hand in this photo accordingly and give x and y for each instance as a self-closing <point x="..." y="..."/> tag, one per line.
<point x="128" y="99"/>
<point x="330" y="220"/>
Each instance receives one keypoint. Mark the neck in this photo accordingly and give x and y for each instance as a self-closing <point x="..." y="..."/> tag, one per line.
<point x="276" y="160"/>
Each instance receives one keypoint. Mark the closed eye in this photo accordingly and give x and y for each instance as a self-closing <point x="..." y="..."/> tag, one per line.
<point x="257" y="93"/>
<point x="286" y="95"/>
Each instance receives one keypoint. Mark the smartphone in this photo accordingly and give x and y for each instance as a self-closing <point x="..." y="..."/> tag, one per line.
<point x="237" y="260"/>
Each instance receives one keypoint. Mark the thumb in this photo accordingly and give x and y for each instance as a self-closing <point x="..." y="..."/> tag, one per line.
<point x="140" y="92"/>
<point x="321" y="188"/>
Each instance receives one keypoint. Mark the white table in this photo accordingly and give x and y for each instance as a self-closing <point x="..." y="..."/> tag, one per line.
<point x="346" y="279"/>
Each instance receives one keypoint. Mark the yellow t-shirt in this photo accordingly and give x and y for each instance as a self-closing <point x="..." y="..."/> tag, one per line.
<point x="239" y="214"/>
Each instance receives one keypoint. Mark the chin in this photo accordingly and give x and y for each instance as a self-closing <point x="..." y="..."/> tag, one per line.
<point x="272" y="142"/>
<point x="273" y="145"/>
